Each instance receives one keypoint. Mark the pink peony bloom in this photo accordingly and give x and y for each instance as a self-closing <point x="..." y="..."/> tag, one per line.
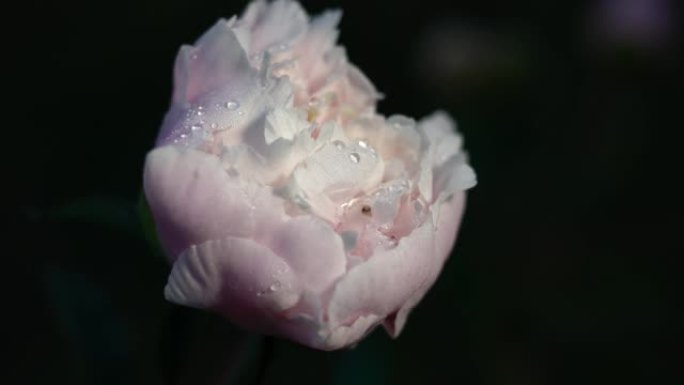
<point x="283" y="200"/>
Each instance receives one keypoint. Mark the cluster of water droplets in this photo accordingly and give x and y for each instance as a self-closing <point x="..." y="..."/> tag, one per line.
<point x="201" y="120"/>
<point x="355" y="150"/>
<point x="276" y="284"/>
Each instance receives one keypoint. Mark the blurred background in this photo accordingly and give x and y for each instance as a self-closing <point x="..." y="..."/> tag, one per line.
<point x="565" y="268"/>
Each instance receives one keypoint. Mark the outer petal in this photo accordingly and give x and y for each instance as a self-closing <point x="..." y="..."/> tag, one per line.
<point x="386" y="281"/>
<point x="313" y="250"/>
<point x="194" y="200"/>
<point x="451" y="212"/>
<point x="216" y="68"/>
<point x="237" y="277"/>
<point x="346" y="335"/>
<point x="393" y="282"/>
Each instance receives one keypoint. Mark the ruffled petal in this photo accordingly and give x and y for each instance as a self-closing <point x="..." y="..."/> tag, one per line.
<point x="446" y="230"/>
<point x="272" y="25"/>
<point x="284" y="123"/>
<point x="346" y="335"/>
<point x="442" y="138"/>
<point x="452" y="176"/>
<point x="336" y="173"/>
<point x="310" y="51"/>
<point x="382" y="284"/>
<point x="216" y="60"/>
<point x="237" y="277"/>
<point x="313" y="249"/>
<point x="194" y="200"/>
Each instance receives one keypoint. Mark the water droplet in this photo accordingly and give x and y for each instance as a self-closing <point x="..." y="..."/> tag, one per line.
<point x="195" y="127"/>
<point x="241" y="112"/>
<point x="364" y="145"/>
<point x="213" y="125"/>
<point x="355" y="157"/>
<point x="183" y="136"/>
<point x="275" y="286"/>
<point x="194" y="56"/>
<point x="338" y="144"/>
<point x="232" y="105"/>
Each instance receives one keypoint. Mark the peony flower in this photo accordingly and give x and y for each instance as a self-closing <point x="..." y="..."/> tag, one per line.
<point x="283" y="200"/>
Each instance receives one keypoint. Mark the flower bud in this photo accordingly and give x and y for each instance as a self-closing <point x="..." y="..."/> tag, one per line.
<point x="283" y="200"/>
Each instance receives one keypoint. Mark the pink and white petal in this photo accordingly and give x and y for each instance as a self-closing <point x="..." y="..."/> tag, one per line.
<point x="452" y="176"/>
<point x="318" y="61"/>
<point x="303" y="322"/>
<point x="313" y="249"/>
<point x="273" y="24"/>
<point x="385" y="282"/>
<point x="237" y="277"/>
<point x="194" y="200"/>
<point x="311" y="50"/>
<point x="216" y="60"/>
<point x="451" y="212"/>
<point x="443" y="140"/>
<point x="347" y="335"/>
<point x="364" y="87"/>
<point x="284" y="123"/>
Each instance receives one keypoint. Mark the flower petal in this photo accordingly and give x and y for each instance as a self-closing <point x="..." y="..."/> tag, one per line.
<point x="346" y="335"/>
<point x="237" y="277"/>
<point x="313" y="249"/>
<point x="452" y="176"/>
<point x="194" y="200"/>
<point x="311" y="50"/>
<point x="446" y="231"/>
<point x="216" y="60"/>
<point x="283" y="123"/>
<point x="384" y="282"/>
<point x="270" y="25"/>
<point x="392" y="282"/>
<point x="440" y="131"/>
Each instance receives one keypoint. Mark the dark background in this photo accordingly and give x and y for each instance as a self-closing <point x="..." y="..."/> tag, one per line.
<point x="565" y="269"/>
